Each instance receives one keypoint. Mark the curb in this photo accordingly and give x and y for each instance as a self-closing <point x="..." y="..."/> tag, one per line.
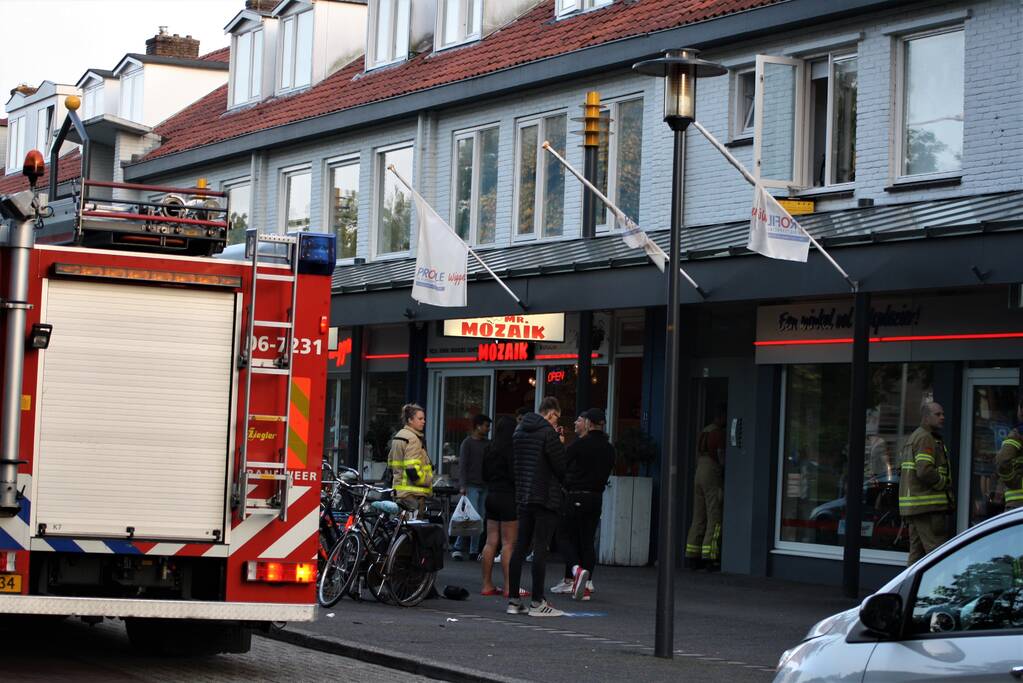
<point x="430" y="668"/>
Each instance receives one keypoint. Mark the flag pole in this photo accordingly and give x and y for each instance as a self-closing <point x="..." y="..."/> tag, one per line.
<point x="512" y="294"/>
<point x="753" y="181"/>
<point x="614" y="209"/>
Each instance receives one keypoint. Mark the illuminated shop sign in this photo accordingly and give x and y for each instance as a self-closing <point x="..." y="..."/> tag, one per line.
<point x="556" y="376"/>
<point x="544" y="327"/>
<point x="505" y="351"/>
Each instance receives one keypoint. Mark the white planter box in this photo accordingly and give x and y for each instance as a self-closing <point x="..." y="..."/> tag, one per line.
<point x="625" y="522"/>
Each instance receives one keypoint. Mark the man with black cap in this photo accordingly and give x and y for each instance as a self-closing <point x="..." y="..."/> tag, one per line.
<point x="590" y="460"/>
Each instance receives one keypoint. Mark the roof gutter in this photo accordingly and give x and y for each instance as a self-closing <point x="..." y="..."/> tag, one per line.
<point x="619" y="53"/>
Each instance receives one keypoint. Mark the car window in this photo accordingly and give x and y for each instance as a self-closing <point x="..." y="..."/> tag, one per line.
<point x="977" y="587"/>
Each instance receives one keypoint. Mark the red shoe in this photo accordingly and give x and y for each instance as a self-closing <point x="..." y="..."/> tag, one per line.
<point x="523" y="593"/>
<point x="493" y="592"/>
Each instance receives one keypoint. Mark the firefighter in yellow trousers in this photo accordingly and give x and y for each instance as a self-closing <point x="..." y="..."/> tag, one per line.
<point x="703" y="545"/>
<point x="925" y="484"/>
<point x="410" y="465"/>
<point x="1009" y="462"/>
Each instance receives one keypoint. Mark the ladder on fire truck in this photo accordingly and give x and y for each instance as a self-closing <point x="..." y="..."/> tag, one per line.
<point x="252" y="473"/>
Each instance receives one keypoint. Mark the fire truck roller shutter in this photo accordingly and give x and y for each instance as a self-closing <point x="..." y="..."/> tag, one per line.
<point x="134" y="410"/>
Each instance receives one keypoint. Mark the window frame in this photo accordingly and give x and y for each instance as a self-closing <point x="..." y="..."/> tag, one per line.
<point x="44" y="128"/>
<point x="226" y="187"/>
<point x="898" y="133"/>
<point x="15" y="143"/>
<point x="255" y="84"/>
<point x="373" y="32"/>
<point x="466" y="8"/>
<point x="738" y="130"/>
<point x="613" y="105"/>
<point x="294" y="20"/>
<point x="341" y="161"/>
<point x="284" y="175"/>
<point x="379" y="174"/>
<point x="93" y="93"/>
<point x="134" y="79"/>
<point x="570" y="8"/>
<point x="474" y="181"/>
<point x="539" y="120"/>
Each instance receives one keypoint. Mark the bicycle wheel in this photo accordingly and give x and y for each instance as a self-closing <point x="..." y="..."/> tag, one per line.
<point x="407" y="584"/>
<point x="340" y="570"/>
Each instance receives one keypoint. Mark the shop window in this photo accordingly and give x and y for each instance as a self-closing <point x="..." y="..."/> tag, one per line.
<point x="559" y="381"/>
<point x="239" y="198"/>
<point x="297" y="199"/>
<point x="540" y="186"/>
<point x="385" y="395"/>
<point x="344" y="206"/>
<point x="394" y="207"/>
<point x="335" y="436"/>
<point x="932" y="100"/>
<point x="460" y="21"/>
<point x="814" y="452"/>
<point x="475" y="179"/>
<point x="619" y="159"/>
<point x="805" y="121"/>
<point x="389" y="31"/>
<point x="296" y="51"/>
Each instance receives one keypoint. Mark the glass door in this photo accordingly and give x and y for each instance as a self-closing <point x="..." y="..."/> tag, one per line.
<point x="461" y="394"/>
<point x="989" y="412"/>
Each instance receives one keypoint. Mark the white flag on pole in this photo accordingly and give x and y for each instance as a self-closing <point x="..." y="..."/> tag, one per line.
<point x="636" y="237"/>
<point x="441" y="260"/>
<point x="773" y="232"/>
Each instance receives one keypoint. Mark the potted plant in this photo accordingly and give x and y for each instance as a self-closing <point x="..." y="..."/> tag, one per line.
<point x="625" y="518"/>
<point x="633" y="449"/>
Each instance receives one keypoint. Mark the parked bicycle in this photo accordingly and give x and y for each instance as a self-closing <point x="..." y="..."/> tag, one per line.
<point x="385" y="549"/>
<point x="336" y="504"/>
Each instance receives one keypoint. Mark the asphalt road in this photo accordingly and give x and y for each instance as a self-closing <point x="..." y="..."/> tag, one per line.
<point x="73" y="651"/>
<point x="727" y="628"/>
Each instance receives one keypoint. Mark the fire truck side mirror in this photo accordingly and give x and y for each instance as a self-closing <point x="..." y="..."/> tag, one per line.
<point x="34" y="167"/>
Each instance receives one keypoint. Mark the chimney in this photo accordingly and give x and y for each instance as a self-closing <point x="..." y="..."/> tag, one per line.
<point x="166" y="45"/>
<point x="261" y="6"/>
<point x="24" y="89"/>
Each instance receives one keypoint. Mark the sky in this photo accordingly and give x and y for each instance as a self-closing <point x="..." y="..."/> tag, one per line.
<point x="58" y="40"/>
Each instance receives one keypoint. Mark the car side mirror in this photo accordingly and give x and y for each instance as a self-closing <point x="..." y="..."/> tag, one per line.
<point x="882" y="614"/>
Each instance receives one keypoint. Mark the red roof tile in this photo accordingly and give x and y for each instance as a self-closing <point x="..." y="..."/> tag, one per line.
<point x="221" y="55"/>
<point x="3" y="122"/>
<point x="534" y="36"/>
<point x="70" y="168"/>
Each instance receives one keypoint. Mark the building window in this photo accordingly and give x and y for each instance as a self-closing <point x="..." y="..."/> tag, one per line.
<point x="814" y="452"/>
<point x="619" y="159"/>
<point x="92" y="102"/>
<point x="297" y="50"/>
<point x="131" y="96"/>
<point x="743" y="108"/>
<point x="44" y="129"/>
<point x="15" y="144"/>
<point x="540" y="186"/>
<point x="460" y="21"/>
<point x="239" y="202"/>
<point x="394" y="205"/>
<point x="247" y="74"/>
<point x="475" y="195"/>
<point x="567" y="7"/>
<point x="804" y="117"/>
<point x="344" y="206"/>
<point x="298" y="192"/>
<point x="932" y="103"/>
<point x="389" y="31"/>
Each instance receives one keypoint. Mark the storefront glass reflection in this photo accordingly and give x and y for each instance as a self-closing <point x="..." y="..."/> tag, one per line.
<point x="994" y="415"/>
<point x="385" y="395"/>
<point x="815" y="451"/>
<point x="560" y="382"/>
<point x="464" y="397"/>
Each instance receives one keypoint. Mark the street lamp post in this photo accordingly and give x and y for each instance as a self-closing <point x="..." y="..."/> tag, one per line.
<point x="679" y="69"/>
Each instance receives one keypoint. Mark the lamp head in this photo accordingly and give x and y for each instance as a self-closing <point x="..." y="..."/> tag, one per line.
<point x="679" y="69"/>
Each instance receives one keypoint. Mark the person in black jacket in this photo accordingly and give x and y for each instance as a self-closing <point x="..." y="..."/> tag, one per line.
<point x="539" y="460"/>
<point x="590" y="460"/>
<point x="502" y="516"/>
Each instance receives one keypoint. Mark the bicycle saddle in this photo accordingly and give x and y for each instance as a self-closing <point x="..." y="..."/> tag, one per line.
<point x="388" y="507"/>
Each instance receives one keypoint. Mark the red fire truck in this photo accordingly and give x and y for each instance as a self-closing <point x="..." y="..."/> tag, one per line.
<point x="161" y="425"/>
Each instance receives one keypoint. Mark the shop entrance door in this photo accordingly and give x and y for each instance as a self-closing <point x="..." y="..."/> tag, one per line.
<point x="461" y="394"/>
<point x="989" y="412"/>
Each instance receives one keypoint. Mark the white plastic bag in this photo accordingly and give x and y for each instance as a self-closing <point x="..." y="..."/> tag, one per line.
<point x="465" y="521"/>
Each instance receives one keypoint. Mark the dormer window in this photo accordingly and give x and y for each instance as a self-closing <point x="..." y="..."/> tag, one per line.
<point x="92" y="101"/>
<point x="44" y="129"/>
<point x="131" y="95"/>
<point x="247" y="67"/>
<point x="459" y="22"/>
<point x="15" y="144"/>
<point x="296" y="50"/>
<point x="567" y="7"/>
<point x="390" y="21"/>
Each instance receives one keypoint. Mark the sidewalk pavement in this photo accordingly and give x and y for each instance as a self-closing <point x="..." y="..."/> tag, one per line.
<point x="727" y="628"/>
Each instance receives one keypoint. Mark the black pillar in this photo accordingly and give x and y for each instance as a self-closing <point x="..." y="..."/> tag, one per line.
<point x="355" y="397"/>
<point x="589" y="230"/>
<point x="415" y="377"/>
<point x="585" y="363"/>
<point x="857" y="445"/>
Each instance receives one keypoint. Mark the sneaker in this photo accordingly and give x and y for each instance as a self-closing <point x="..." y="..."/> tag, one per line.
<point x="564" y="587"/>
<point x="516" y="607"/>
<point x="579" y="581"/>
<point x="497" y="559"/>
<point x="586" y="595"/>
<point x="589" y="586"/>
<point x="544" y="609"/>
<point x="529" y="557"/>
<point x="457" y="555"/>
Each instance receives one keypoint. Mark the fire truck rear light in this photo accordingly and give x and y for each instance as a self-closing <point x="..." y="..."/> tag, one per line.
<point x="280" y="572"/>
<point x="146" y="275"/>
<point x="324" y="324"/>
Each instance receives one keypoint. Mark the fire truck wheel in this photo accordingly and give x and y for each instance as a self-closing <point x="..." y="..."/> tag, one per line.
<point x="184" y="638"/>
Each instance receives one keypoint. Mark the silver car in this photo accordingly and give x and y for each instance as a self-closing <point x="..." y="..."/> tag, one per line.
<point x="956" y="615"/>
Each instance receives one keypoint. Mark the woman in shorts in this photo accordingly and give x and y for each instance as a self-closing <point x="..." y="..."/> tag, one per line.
<point x="502" y="520"/>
